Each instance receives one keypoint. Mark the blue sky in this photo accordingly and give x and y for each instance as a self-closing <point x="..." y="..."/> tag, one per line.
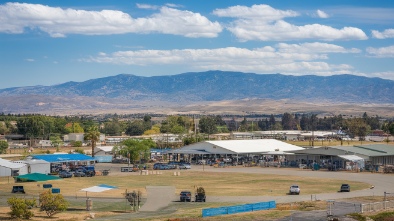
<point x="52" y="42"/>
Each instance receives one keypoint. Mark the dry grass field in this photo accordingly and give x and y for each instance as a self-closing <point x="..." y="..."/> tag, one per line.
<point x="215" y="183"/>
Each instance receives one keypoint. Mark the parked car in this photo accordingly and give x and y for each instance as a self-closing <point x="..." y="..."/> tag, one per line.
<point x="18" y="189"/>
<point x="161" y="166"/>
<point x="294" y="189"/>
<point x="345" y="188"/>
<point x="185" y="196"/>
<point x="184" y="166"/>
<point x="79" y="173"/>
<point x="65" y="174"/>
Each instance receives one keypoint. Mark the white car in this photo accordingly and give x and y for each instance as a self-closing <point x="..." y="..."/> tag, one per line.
<point x="184" y="166"/>
<point x="294" y="189"/>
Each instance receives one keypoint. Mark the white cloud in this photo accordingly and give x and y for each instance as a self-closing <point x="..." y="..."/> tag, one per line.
<point x="171" y="5"/>
<point x="264" y="23"/>
<point x="388" y="33"/>
<point x="283" y="58"/>
<point x="315" y="47"/>
<point x="147" y="6"/>
<point x="58" y="22"/>
<point x="383" y="52"/>
<point x="29" y="59"/>
<point x="322" y="14"/>
<point x="385" y="75"/>
<point x="260" y="12"/>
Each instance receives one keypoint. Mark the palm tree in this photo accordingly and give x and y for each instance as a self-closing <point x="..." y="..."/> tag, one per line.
<point x="93" y="135"/>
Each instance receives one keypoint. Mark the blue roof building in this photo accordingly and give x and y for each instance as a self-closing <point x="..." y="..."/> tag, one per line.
<point x="60" y="158"/>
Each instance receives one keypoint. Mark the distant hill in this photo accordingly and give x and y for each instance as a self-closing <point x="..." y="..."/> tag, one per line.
<point x="206" y="86"/>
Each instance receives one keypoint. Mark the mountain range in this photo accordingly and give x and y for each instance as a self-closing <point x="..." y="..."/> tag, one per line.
<point x="122" y="90"/>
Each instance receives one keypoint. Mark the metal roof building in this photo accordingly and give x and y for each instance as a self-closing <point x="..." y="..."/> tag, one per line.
<point x="376" y="154"/>
<point x="257" y="146"/>
<point x="59" y="158"/>
<point x="8" y="168"/>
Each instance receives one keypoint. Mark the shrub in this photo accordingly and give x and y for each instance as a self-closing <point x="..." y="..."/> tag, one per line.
<point x="20" y="208"/>
<point x="385" y="216"/>
<point x="358" y="217"/>
<point x="79" y="150"/>
<point x="52" y="203"/>
<point x="76" y="143"/>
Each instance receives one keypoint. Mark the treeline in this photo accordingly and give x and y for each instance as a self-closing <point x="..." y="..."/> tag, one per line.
<point x="42" y="126"/>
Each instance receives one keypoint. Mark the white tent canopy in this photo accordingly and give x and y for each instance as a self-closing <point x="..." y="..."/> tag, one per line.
<point x="98" y="189"/>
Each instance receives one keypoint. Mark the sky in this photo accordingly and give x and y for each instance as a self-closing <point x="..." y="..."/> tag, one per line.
<point x="49" y="42"/>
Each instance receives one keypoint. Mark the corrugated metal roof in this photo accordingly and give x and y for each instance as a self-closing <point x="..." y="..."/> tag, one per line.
<point x="238" y="147"/>
<point x="255" y="146"/>
<point x="373" y="150"/>
<point x="11" y="165"/>
<point x="63" y="157"/>
<point x="377" y="149"/>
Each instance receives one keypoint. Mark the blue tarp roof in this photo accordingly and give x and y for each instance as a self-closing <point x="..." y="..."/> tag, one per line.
<point x="53" y="158"/>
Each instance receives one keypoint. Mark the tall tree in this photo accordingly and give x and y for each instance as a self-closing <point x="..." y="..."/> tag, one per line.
<point x="135" y="128"/>
<point x="272" y="122"/>
<point x="207" y="125"/>
<point x="93" y="135"/>
<point x="135" y="149"/>
<point x="288" y="122"/>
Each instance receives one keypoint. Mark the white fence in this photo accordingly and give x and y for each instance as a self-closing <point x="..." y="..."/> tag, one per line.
<point x="369" y="207"/>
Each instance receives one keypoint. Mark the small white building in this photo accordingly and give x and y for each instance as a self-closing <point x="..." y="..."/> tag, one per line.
<point x="36" y="166"/>
<point x="74" y="137"/>
<point x="9" y="168"/>
<point x="45" y="143"/>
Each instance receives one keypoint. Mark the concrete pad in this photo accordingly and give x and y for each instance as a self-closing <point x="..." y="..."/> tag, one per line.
<point x="158" y="197"/>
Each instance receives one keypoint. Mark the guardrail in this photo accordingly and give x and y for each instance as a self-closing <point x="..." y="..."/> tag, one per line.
<point x="376" y="206"/>
<point x="238" y="209"/>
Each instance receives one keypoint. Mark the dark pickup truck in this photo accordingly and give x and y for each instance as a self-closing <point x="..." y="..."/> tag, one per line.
<point x="18" y="189"/>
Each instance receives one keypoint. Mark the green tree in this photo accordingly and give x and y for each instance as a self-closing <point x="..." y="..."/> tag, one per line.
<point x="3" y="146"/>
<point x="3" y="128"/>
<point x="135" y="128"/>
<point x="272" y="122"/>
<point x="79" y="150"/>
<point x="73" y="128"/>
<point x="207" y="125"/>
<point x="20" y="208"/>
<point x="92" y="135"/>
<point x="76" y="143"/>
<point x="52" y="203"/>
<point x="56" y="140"/>
<point x="112" y="128"/>
<point x="288" y="122"/>
<point x="358" y="127"/>
<point x="134" y="149"/>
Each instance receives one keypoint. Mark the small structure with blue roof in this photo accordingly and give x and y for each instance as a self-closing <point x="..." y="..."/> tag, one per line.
<point x="65" y="161"/>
